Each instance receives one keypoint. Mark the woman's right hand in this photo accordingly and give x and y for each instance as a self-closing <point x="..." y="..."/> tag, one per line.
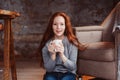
<point x="51" y="49"/>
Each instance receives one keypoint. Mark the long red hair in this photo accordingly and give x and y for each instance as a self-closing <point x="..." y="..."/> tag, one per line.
<point x="49" y="34"/>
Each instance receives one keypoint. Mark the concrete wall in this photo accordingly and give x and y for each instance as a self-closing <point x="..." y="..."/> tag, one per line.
<point x="29" y="27"/>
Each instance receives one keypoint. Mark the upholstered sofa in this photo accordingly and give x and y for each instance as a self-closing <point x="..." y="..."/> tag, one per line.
<point x="101" y="56"/>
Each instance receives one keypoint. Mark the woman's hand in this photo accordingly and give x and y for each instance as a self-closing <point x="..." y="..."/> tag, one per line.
<point x="51" y="49"/>
<point x="59" y="48"/>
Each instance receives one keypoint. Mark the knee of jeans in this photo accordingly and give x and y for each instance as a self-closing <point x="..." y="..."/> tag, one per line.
<point x="49" y="78"/>
<point x="69" y="77"/>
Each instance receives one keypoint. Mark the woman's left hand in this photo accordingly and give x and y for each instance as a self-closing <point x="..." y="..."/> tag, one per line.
<point x="59" y="48"/>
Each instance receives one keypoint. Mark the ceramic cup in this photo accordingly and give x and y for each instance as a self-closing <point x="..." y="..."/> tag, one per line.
<point x="57" y="42"/>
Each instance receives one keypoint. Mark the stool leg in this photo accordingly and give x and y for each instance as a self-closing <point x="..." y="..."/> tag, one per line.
<point x="6" y="73"/>
<point x="12" y="57"/>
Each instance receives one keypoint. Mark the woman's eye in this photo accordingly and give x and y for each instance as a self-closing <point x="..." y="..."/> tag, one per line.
<point x="62" y="24"/>
<point x="54" y="24"/>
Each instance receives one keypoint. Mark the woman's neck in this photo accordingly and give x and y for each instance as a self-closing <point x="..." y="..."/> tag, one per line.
<point x="59" y="37"/>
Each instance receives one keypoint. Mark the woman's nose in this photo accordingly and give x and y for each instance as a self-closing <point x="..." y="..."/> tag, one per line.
<point x="58" y="26"/>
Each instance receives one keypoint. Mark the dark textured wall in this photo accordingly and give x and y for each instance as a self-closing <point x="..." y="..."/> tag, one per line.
<point x="35" y="14"/>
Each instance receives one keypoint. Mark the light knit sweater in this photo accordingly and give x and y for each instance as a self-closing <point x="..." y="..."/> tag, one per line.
<point x="70" y="51"/>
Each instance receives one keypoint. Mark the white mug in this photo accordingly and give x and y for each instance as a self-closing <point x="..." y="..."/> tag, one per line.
<point x="57" y="42"/>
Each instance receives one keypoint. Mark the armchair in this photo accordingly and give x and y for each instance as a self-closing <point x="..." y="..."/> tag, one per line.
<point x="100" y="58"/>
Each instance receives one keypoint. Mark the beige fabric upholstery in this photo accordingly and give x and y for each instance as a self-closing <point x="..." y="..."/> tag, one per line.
<point x="100" y="58"/>
<point x="89" y="34"/>
<point x="99" y="51"/>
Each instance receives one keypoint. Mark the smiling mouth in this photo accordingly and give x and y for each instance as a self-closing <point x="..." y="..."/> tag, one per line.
<point x="59" y="31"/>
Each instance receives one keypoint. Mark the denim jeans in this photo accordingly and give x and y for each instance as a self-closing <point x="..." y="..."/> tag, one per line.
<point x="59" y="76"/>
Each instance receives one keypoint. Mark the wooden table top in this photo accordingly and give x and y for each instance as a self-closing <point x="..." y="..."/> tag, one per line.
<point x="8" y="14"/>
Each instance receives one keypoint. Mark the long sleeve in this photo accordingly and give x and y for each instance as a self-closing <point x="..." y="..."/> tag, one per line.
<point x="49" y="64"/>
<point x="72" y="59"/>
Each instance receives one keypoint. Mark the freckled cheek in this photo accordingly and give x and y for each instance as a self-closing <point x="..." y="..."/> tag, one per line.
<point x="64" y="29"/>
<point x="54" y="28"/>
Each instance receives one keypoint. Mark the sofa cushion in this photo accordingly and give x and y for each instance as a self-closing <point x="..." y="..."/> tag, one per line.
<point x="89" y="36"/>
<point x="89" y="33"/>
<point x="99" y="51"/>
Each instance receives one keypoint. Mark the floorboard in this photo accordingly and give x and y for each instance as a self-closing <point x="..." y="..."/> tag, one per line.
<point x="30" y="70"/>
<point x="27" y="70"/>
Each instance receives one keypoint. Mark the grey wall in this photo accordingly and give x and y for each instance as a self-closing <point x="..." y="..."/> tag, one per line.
<point x="29" y="27"/>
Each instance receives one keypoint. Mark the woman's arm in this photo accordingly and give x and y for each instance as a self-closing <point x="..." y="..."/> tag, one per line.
<point x="70" y="62"/>
<point x="49" y="62"/>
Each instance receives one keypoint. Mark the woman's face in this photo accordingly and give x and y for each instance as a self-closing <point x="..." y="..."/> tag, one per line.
<point x="59" y="26"/>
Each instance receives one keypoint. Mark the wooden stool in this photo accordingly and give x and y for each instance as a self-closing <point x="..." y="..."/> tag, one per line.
<point x="9" y="57"/>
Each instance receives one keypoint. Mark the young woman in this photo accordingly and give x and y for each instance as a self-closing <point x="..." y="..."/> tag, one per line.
<point x="59" y="58"/>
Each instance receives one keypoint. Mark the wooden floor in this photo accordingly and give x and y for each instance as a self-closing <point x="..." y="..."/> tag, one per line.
<point x="27" y="70"/>
<point x="30" y="70"/>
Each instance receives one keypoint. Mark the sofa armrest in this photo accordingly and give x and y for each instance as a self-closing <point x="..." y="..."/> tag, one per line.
<point x="89" y="34"/>
<point x="89" y="28"/>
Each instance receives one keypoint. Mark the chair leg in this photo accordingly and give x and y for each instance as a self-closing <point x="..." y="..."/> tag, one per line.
<point x="12" y="57"/>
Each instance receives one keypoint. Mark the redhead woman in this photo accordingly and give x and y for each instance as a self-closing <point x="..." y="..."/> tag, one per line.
<point x="59" y="48"/>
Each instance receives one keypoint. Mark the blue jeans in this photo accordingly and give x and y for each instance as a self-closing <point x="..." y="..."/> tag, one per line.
<point x="59" y="76"/>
